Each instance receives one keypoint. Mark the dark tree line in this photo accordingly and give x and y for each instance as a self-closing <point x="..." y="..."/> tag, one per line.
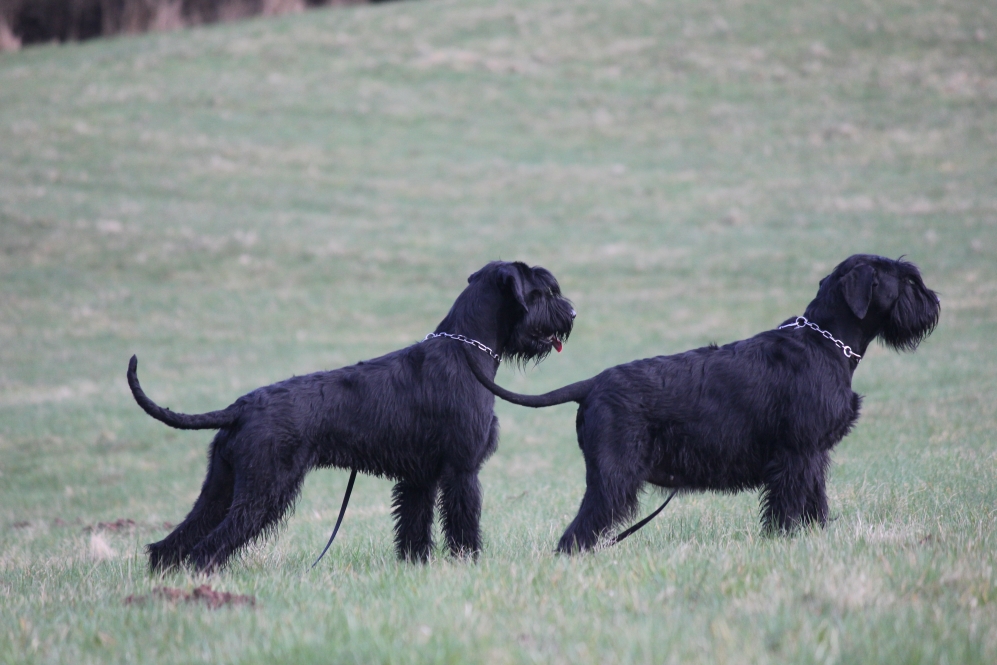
<point x="25" y="22"/>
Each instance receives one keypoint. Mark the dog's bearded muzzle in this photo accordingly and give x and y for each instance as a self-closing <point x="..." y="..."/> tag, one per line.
<point x="914" y="315"/>
<point x="545" y="326"/>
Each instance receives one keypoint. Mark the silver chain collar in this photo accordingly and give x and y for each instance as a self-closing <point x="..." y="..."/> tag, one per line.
<point x="466" y="340"/>
<point x="801" y="322"/>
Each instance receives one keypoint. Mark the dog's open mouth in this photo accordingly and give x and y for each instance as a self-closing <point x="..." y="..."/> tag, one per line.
<point x="555" y="342"/>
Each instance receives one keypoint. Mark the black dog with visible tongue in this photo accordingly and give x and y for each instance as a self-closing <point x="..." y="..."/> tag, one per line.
<point x="417" y="416"/>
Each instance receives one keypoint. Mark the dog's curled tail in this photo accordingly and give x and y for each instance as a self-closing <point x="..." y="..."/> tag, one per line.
<point x="573" y="392"/>
<point x="212" y="420"/>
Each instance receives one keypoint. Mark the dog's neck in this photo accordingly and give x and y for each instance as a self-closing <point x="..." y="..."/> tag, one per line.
<point x="476" y="333"/>
<point x="469" y="317"/>
<point x="848" y="329"/>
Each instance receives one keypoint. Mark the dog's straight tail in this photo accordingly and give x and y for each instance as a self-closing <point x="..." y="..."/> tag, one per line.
<point x="212" y="420"/>
<point x="573" y="392"/>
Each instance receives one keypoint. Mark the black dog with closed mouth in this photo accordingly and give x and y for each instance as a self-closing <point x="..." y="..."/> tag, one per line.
<point x="762" y="412"/>
<point x="417" y="416"/>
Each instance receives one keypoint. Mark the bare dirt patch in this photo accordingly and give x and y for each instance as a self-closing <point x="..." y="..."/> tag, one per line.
<point x="202" y="594"/>
<point x="120" y="524"/>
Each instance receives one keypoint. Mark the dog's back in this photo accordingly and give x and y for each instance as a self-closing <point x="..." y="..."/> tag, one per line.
<point x="705" y="419"/>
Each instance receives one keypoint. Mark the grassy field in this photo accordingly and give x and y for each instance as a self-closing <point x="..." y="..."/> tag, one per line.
<point x="246" y="202"/>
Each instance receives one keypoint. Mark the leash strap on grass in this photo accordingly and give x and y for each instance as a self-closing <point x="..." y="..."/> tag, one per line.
<point x="641" y="523"/>
<point x="342" y="511"/>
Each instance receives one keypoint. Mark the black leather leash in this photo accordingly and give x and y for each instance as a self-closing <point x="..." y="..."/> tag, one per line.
<point x="640" y="524"/>
<point x="342" y="511"/>
<point x="620" y="537"/>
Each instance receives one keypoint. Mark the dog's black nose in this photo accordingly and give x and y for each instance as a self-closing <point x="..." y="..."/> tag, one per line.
<point x="573" y="314"/>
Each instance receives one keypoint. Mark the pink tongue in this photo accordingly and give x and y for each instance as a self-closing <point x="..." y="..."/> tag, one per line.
<point x="557" y="344"/>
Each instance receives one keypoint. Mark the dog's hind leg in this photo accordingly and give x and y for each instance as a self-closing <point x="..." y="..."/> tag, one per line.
<point x="592" y="519"/>
<point x="413" y="510"/>
<point x="613" y="477"/>
<point x="258" y="506"/>
<point x="602" y="507"/>
<point x="208" y="512"/>
<point x="460" y="505"/>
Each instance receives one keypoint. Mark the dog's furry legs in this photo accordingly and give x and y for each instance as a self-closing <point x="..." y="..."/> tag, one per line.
<point x="413" y="510"/>
<point x="793" y="492"/>
<point x="251" y="514"/>
<point x="609" y="497"/>
<point x="603" y="505"/>
<point x="815" y="510"/>
<point x="460" y="505"/>
<point x="208" y="512"/>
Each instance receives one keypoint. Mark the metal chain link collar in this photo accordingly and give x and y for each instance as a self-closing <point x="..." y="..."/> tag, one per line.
<point x="801" y="322"/>
<point x="466" y="340"/>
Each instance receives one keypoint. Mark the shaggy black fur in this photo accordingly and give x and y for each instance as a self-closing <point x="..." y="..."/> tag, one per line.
<point x="762" y="412"/>
<point x="417" y="416"/>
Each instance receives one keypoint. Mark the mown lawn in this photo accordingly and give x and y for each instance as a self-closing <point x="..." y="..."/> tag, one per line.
<point x="242" y="203"/>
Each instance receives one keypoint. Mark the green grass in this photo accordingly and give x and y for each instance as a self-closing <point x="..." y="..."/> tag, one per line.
<point x="245" y="202"/>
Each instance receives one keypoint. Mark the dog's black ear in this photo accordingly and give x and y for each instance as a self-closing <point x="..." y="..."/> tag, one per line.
<point x="512" y="279"/>
<point x="856" y="286"/>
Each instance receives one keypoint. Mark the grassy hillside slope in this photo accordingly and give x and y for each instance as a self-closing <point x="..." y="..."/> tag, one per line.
<point x="245" y="202"/>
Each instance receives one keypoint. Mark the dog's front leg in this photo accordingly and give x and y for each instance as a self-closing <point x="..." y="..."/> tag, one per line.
<point x="816" y="506"/>
<point x="788" y="486"/>
<point x="460" y="503"/>
<point x="413" y="510"/>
